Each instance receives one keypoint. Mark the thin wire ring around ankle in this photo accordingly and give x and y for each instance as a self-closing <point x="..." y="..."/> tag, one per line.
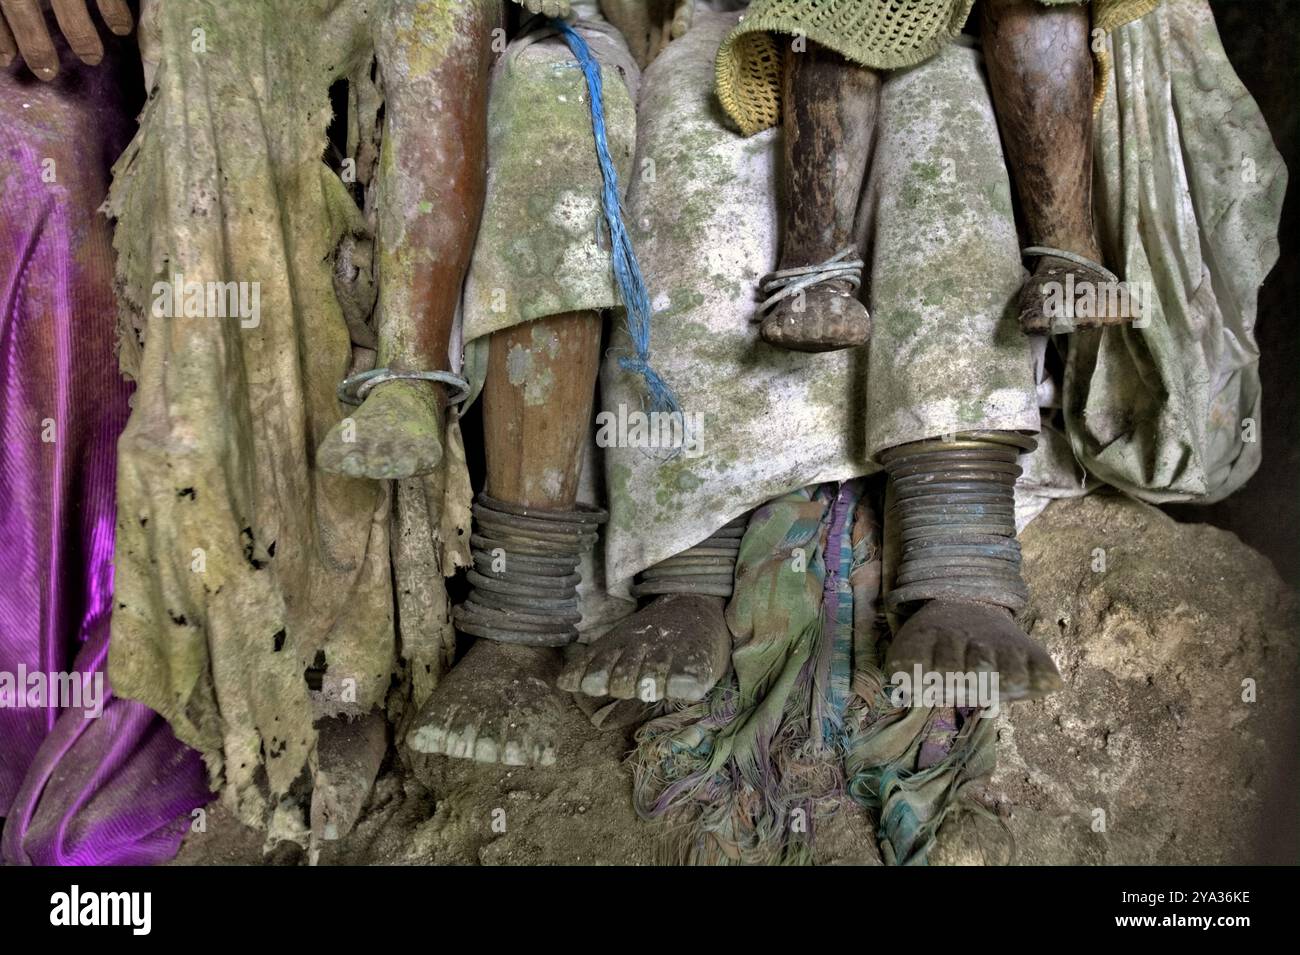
<point x="353" y="389"/>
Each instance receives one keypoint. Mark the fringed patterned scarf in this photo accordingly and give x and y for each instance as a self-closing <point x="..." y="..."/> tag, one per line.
<point x="744" y="775"/>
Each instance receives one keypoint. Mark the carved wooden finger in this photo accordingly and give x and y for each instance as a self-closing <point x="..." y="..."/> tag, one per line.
<point x="78" y="30"/>
<point x="8" y="47"/>
<point x="117" y="16"/>
<point x="27" y="24"/>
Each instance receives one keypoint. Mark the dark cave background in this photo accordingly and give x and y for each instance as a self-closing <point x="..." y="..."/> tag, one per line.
<point x="1261" y="39"/>
<point x="1263" y="43"/>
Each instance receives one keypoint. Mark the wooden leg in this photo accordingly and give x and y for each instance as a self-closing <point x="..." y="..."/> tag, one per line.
<point x="829" y="114"/>
<point x="429" y="207"/>
<point x="537" y="405"/>
<point x="1040" y="69"/>
<point x="499" y="704"/>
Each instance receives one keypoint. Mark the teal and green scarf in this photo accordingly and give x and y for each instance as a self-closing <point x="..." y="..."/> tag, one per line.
<point x="743" y="776"/>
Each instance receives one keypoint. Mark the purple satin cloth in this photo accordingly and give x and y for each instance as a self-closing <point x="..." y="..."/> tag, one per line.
<point x="117" y="788"/>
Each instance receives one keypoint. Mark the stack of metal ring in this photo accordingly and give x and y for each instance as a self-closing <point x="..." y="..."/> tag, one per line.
<point x="525" y="574"/>
<point x="954" y="514"/>
<point x="708" y="568"/>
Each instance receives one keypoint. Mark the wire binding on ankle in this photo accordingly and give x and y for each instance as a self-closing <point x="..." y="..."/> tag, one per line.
<point x="786" y="283"/>
<point x="708" y="568"/>
<point x="525" y="577"/>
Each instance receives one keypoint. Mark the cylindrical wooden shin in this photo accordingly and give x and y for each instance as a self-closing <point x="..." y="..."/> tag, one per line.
<point x="829" y="113"/>
<point x="430" y="199"/>
<point x="1041" y="72"/>
<point x="529" y="532"/>
<point x="537" y="404"/>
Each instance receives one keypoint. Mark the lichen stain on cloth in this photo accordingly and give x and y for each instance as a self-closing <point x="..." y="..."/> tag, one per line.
<point x="574" y="211"/>
<point x="542" y="248"/>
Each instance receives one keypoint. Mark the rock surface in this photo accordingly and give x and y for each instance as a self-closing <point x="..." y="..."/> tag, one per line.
<point x="1151" y="754"/>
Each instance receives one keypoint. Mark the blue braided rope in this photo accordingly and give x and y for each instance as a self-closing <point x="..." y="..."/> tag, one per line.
<point x="627" y="271"/>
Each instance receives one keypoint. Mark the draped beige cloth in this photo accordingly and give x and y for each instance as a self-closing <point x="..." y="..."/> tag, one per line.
<point x="239" y="564"/>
